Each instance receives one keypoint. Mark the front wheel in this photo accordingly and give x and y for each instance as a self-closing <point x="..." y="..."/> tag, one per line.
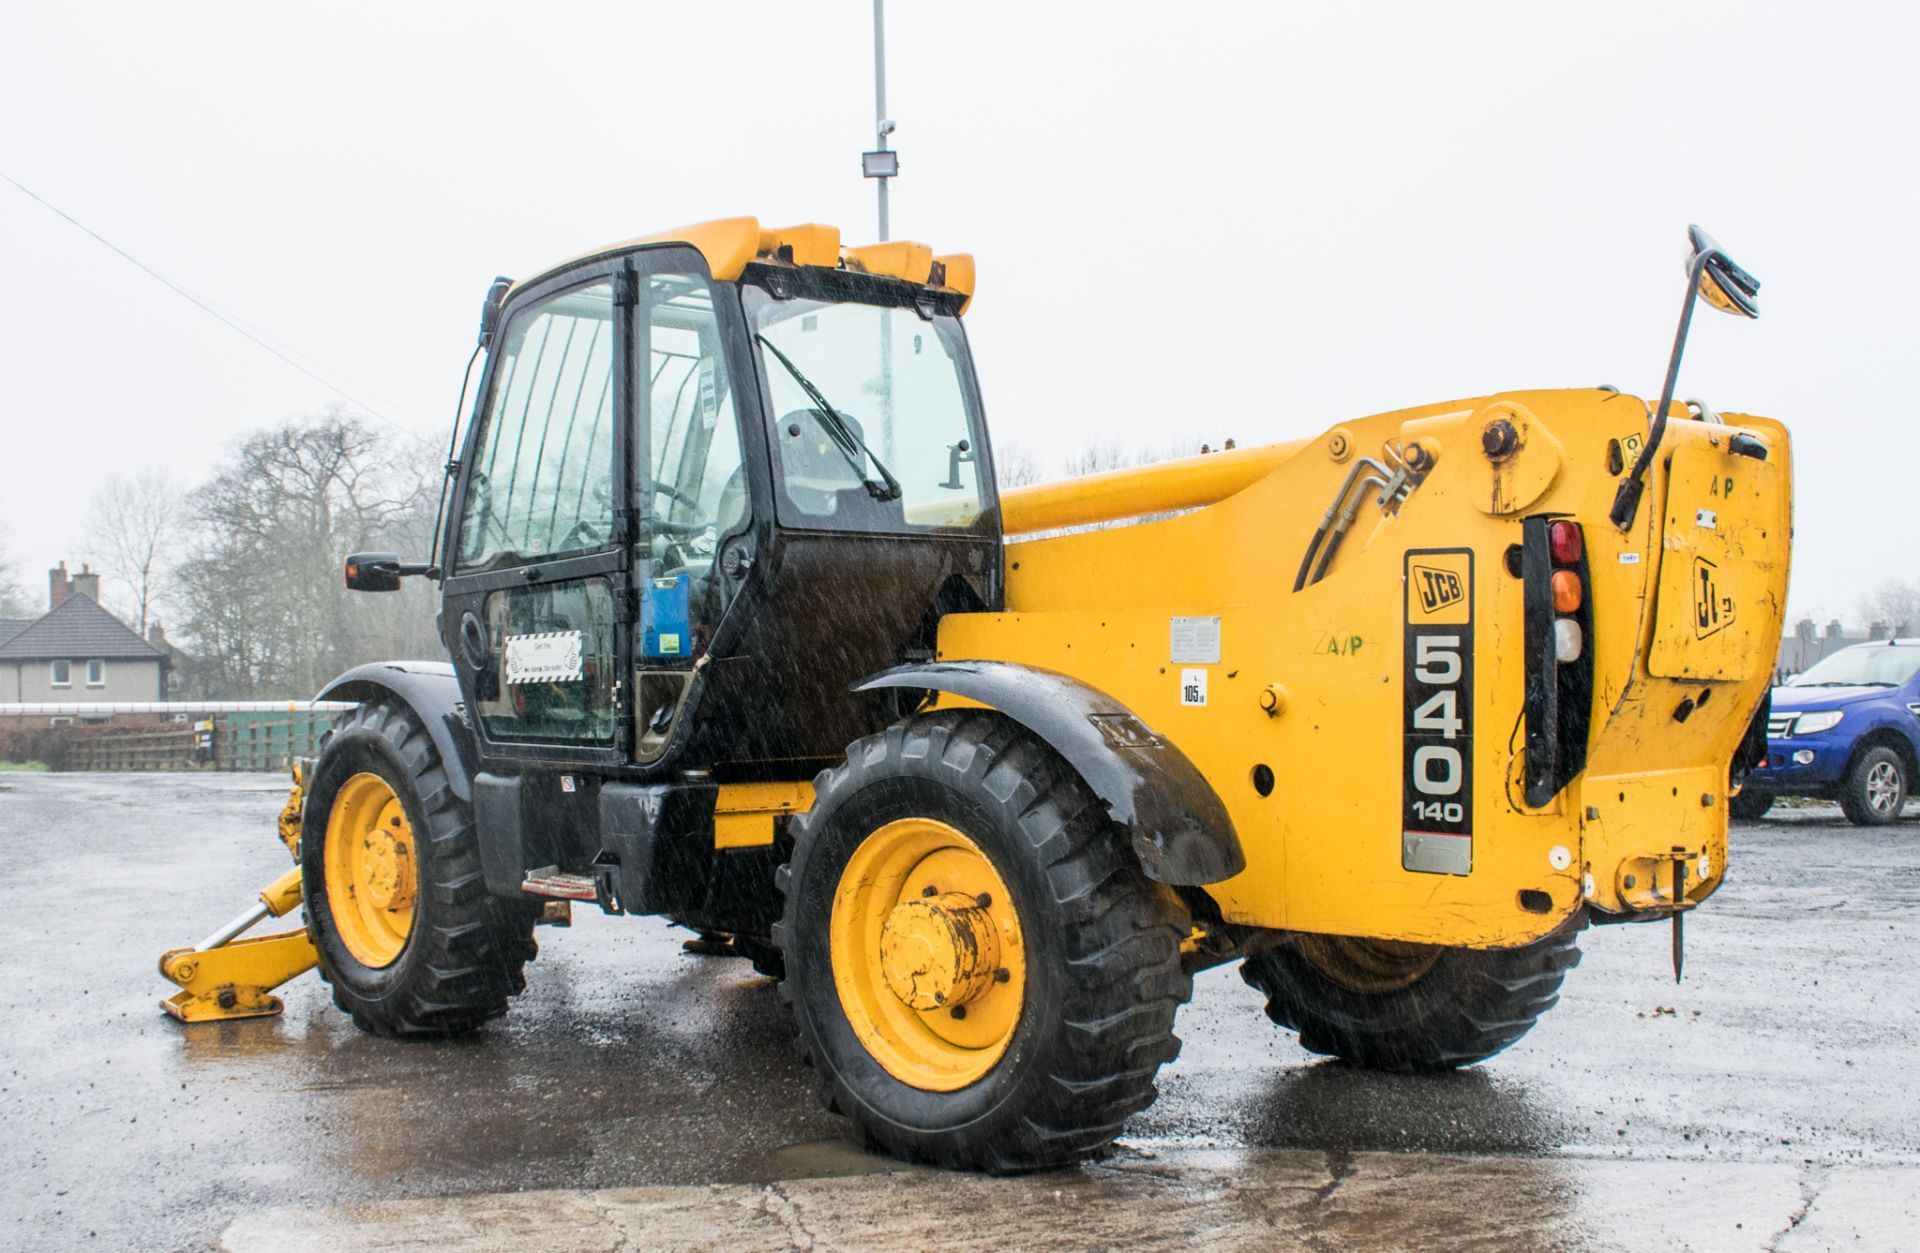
<point x="1405" y="1007"/>
<point x="979" y="970"/>
<point x="1875" y="789"/>
<point x="1751" y="805"/>
<point x="396" y="904"/>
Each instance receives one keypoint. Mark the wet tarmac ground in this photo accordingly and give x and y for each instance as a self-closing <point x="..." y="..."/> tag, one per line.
<point x="638" y="1097"/>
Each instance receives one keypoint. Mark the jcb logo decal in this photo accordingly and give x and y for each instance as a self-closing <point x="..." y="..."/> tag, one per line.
<point x="1436" y="589"/>
<point x="1439" y="586"/>
<point x="1712" y="606"/>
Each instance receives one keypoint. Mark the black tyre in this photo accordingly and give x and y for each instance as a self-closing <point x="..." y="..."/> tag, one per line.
<point x="1875" y="789"/>
<point x="762" y="954"/>
<point x="1064" y="958"/>
<point x="407" y="933"/>
<point x="1408" y="1007"/>
<point x="1751" y="805"/>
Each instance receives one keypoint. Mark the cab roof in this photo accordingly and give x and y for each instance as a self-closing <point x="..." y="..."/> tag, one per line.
<point x="729" y="244"/>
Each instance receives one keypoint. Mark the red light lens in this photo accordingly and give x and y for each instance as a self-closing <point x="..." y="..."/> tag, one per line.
<point x="1566" y="543"/>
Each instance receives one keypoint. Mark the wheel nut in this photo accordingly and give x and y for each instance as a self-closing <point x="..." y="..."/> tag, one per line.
<point x="958" y="1011"/>
<point x="984" y="900"/>
<point x="1003" y="975"/>
<point x="929" y="890"/>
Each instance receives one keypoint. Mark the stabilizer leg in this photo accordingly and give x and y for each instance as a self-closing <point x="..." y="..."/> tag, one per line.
<point x="226" y="977"/>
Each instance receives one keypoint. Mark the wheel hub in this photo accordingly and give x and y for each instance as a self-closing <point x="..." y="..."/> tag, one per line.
<point x="1882" y="786"/>
<point x="939" y="951"/>
<point x="389" y="869"/>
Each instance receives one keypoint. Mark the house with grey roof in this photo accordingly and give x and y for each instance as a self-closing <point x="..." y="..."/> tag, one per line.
<point x="78" y="652"/>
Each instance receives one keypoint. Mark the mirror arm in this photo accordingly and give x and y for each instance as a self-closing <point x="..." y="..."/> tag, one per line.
<point x="1626" y="502"/>
<point x="382" y="572"/>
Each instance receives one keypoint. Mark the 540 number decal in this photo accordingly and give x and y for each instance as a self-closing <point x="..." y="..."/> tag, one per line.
<point x="1437" y="735"/>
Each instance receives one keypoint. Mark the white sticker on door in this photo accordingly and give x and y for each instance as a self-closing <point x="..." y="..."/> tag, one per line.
<point x="550" y="657"/>
<point x="1193" y="687"/>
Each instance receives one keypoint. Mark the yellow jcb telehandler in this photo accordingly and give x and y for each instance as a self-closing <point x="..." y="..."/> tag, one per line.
<point x="741" y="632"/>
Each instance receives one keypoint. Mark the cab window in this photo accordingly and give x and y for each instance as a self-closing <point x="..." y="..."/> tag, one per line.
<point x="542" y="481"/>
<point x="873" y="424"/>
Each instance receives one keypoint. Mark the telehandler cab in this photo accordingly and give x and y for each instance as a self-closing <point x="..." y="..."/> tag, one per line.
<point x="742" y="633"/>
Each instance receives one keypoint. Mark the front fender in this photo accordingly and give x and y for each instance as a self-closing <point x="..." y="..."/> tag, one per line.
<point x="1179" y="828"/>
<point x="431" y="691"/>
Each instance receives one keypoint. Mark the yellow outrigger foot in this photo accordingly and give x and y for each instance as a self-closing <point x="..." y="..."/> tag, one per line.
<point x="224" y="976"/>
<point x="227" y="977"/>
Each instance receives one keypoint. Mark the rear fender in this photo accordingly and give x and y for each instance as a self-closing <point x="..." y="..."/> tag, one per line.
<point x="431" y="691"/>
<point x="1179" y="829"/>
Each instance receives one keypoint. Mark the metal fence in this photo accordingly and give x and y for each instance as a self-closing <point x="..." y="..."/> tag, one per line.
<point x="264" y="737"/>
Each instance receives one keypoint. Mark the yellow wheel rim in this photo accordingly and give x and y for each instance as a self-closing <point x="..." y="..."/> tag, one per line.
<point x="927" y="954"/>
<point x="370" y="870"/>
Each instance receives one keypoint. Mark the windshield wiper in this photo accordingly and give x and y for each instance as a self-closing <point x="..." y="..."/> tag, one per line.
<point x="851" y="446"/>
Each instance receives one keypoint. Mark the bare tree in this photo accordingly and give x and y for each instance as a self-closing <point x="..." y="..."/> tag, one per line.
<point x="265" y="611"/>
<point x="1015" y="465"/>
<point x="1894" y="604"/>
<point x="1101" y="456"/>
<point x="132" y="526"/>
<point x="14" y="601"/>
<point x="1097" y="458"/>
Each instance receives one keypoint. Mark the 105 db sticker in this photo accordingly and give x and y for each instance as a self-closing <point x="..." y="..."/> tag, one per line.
<point x="1436" y="772"/>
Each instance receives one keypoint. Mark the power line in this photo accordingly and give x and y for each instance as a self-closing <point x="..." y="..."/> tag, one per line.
<point x="258" y="337"/>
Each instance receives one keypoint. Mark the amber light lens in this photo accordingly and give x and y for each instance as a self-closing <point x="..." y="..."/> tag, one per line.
<point x="1566" y="591"/>
<point x="1566" y="544"/>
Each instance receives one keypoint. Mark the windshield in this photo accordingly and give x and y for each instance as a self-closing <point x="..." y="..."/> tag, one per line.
<point x="1871" y="665"/>
<point x="873" y="423"/>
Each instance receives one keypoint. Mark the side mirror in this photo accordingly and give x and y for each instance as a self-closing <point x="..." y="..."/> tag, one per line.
<point x="1712" y="274"/>
<point x="382" y="572"/>
<point x="1723" y="284"/>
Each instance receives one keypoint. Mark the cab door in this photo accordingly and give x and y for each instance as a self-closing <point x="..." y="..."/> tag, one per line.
<point x="691" y="484"/>
<point x="536" y="597"/>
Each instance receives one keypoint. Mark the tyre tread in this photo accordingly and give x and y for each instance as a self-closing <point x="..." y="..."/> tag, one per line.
<point x="474" y="963"/>
<point x="1123" y="943"/>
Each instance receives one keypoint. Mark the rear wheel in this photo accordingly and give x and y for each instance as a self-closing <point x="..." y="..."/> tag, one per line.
<point x="1404" y="1007"/>
<point x="1875" y="789"/>
<point x="1751" y="804"/>
<point x="980" y="972"/>
<point x="396" y="905"/>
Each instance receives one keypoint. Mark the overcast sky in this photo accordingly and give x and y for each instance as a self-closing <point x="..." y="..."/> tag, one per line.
<point x="1192" y="220"/>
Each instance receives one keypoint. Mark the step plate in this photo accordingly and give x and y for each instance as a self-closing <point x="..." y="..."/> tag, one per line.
<point x="566" y="887"/>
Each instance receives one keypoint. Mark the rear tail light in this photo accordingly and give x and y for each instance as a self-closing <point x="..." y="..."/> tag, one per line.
<point x="1566" y="641"/>
<point x="1558" y="620"/>
<point x="1566" y="543"/>
<point x="1567" y="593"/>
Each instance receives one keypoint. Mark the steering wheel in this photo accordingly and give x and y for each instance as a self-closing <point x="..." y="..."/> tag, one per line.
<point x="587" y="533"/>
<point x="680" y="530"/>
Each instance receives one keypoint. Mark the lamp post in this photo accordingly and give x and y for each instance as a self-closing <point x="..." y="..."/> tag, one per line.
<point x="882" y="163"/>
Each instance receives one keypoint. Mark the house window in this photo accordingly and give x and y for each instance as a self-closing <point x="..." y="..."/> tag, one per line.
<point x="60" y="722"/>
<point x="96" y="673"/>
<point x="63" y="674"/>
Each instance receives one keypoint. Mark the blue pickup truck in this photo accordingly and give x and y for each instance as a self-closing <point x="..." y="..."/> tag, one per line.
<point x="1847" y="729"/>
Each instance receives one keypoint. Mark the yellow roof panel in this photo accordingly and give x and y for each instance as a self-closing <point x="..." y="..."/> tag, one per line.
<point x="729" y="244"/>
